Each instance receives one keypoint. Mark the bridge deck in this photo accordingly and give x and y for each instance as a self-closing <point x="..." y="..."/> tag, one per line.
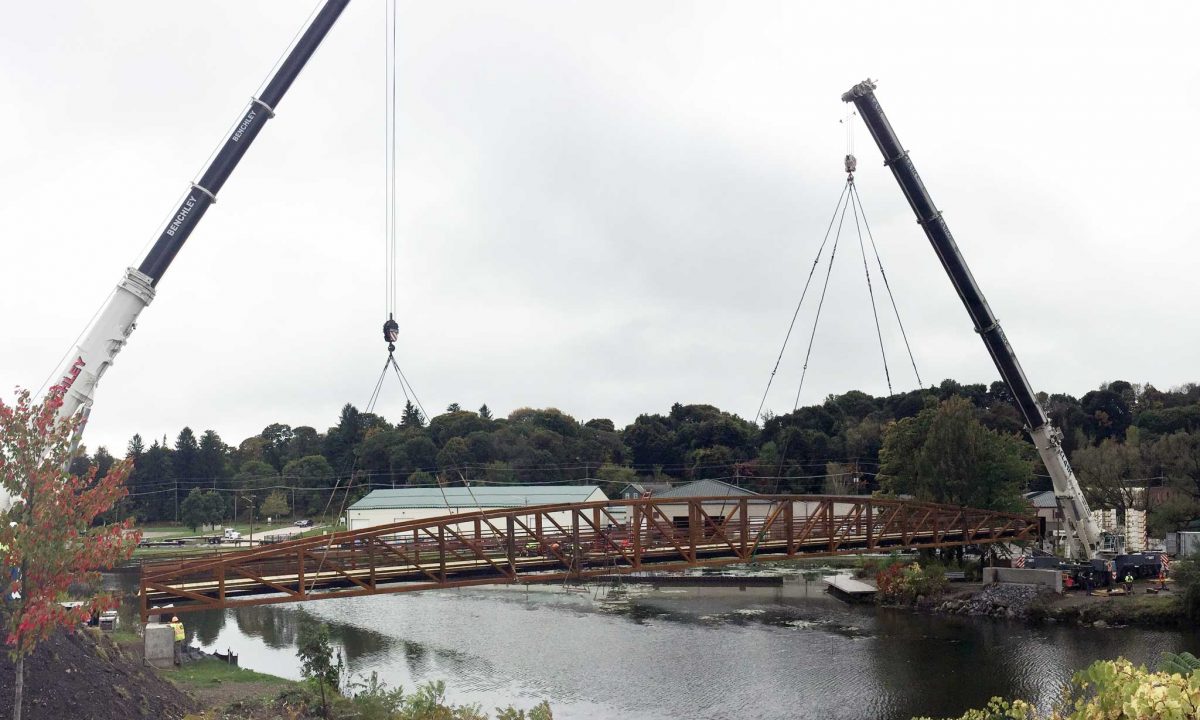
<point x="553" y="543"/>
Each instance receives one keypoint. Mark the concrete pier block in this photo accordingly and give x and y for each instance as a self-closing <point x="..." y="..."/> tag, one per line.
<point x="159" y="647"/>
<point x="1026" y="576"/>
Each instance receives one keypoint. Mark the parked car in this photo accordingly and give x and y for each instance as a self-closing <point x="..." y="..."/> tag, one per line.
<point x="303" y="523"/>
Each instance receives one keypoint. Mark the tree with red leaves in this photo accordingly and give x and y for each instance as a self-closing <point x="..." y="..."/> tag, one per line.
<point x="49" y="534"/>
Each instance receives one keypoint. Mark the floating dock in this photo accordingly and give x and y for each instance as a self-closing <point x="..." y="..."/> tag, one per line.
<point x="850" y="589"/>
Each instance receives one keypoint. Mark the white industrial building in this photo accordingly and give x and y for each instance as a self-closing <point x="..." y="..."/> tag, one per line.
<point x="382" y="507"/>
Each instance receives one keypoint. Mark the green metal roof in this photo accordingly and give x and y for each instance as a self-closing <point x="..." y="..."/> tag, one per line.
<point x="476" y="497"/>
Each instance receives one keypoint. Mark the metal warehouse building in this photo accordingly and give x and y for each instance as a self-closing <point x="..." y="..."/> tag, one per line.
<point x="381" y="507"/>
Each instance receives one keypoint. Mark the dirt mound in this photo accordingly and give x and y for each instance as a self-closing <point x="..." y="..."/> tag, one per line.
<point x="85" y="676"/>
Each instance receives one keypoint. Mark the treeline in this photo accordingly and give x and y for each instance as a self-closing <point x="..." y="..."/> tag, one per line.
<point x="1119" y="436"/>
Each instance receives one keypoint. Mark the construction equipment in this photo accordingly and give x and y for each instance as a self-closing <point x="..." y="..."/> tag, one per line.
<point x="115" y="322"/>
<point x="1085" y="541"/>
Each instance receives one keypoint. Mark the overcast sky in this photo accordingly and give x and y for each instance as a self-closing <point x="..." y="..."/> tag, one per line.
<point x="604" y="207"/>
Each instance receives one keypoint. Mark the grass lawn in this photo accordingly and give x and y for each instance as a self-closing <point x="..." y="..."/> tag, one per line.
<point x="210" y="672"/>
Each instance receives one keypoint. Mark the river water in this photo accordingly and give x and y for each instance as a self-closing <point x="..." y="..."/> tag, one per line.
<point x="636" y="652"/>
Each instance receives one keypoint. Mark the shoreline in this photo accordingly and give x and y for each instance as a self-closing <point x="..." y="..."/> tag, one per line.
<point x="1027" y="604"/>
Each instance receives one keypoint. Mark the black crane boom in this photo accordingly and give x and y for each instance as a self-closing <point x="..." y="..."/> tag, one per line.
<point x="1086" y="537"/>
<point x="204" y="193"/>
<point x="934" y="225"/>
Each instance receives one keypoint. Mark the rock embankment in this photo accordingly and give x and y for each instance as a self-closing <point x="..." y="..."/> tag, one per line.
<point x="998" y="600"/>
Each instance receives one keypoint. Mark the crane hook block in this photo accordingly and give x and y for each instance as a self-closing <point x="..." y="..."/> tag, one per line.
<point x="391" y="330"/>
<point x="851" y="163"/>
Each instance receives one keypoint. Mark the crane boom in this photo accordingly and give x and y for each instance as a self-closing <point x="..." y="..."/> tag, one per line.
<point x="117" y="319"/>
<point x="1047" y="438"/>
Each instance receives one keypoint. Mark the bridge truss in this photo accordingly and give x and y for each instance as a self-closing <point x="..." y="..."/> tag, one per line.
<point x="558" y="543"/>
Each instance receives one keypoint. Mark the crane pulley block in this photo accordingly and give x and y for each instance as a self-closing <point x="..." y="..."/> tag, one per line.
<point x="391" y="332"/>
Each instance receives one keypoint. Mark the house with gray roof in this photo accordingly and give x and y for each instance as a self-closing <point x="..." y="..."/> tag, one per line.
<point x="636" y="490"/>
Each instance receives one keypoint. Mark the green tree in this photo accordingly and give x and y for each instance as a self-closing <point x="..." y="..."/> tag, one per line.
<point x="276" y="505"/>
<point x="305" y="441"/>
<point x="277" y="440"/>
<point x="421" y="452"/>
<point x="155" y="484"/>
<point x="1187" y="579"/>
<point x="421" y="479"/>
<point x="1110" y="690"/>
<point x="213" y="461"/>
<point x="485" y="412"/>
<point x="614" y="478"/>
<point x="315" y="477"/>
<point x="454" y="457"/>
<point x="317" y="660"/>
<point x="185" y="459"/>
<point x="343" y="437"/>
<point x="193" y="511"/>
<point x="135" y="448"/>
<point x="1105" y="472"/>
<point x="412" y="417"/>
<point x="946" y="455"/>
<point x="254" y="477"/>
<point x="201" y="508"/>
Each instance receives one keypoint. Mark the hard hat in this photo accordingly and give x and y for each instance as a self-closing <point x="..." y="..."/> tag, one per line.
<point x="174" y="618"/>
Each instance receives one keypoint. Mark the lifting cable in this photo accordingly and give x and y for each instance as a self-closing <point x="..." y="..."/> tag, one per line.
<point x="796" y="314"/>
<point x="839" y="216"/>
<point x="820" y="304"/>
<point x="849" y="199"/>
<point x="391" y="329"/>
<point x="886" y="284"/>
<point x="887" y="374"/>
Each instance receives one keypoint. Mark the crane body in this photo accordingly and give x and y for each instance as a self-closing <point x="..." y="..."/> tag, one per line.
<point x="105" y="337"/>
<point x="1085" y="540"/>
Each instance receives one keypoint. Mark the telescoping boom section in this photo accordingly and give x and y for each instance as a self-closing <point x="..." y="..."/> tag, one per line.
<point x="117" y="319"/>
<point x="1085" y="534"/>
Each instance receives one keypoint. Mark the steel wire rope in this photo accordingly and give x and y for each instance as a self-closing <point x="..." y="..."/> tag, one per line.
<point x="870" y="291"/>
<point x="389" y="148"/>
<point x="796" y="313"/>
<point x="816" y="261"/>
<point x="812" y="336"/>
<point x="896" y="310"/>
<point x="370" y="408"/>
<point x="820" y="305"/>
<point x="389" y="59"/>
<point x="404" y="381"/>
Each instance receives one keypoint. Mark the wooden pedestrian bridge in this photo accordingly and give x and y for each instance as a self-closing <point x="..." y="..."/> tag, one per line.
<point x="565" y="542"/>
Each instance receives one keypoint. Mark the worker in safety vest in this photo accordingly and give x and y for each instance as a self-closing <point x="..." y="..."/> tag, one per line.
<point x="179" y="638"/>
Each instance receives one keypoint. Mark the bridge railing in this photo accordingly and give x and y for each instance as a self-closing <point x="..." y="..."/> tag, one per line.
<point x="549" y="543"/>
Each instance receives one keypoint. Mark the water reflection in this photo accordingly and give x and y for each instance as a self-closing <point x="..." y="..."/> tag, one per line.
<point x="637" y="652"/>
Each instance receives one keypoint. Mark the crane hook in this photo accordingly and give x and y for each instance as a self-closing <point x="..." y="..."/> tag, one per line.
<point x="391" y="332"/>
